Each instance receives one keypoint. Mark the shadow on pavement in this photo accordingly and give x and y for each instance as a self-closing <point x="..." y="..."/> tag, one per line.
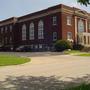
<point x="40" y="83"/>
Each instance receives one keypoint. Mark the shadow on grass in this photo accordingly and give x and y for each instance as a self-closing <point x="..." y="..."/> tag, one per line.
<point x="40" y="83"/>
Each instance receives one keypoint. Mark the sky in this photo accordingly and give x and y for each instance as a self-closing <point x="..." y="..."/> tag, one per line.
<point x="16" y="8"/>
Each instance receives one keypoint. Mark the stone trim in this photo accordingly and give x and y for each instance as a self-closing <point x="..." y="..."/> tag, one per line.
<point x="41" y="15"/>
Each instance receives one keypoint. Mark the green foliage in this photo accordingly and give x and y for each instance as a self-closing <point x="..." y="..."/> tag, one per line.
<point x="81" y="87"/>
<point x="78" y="47"/>
<point x="86" y="49"/>
<point x="6" y="60"/>
<point x="84" y="2"/>
<point x="61" y="45"/>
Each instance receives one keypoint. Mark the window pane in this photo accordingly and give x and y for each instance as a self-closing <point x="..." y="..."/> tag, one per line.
<point x="69" y="18"/>
<point x="24" y="32"/>
<point x="54" y="36"/>
<point x="40" y="30"/>
<point x="69" y="35"/>
<point x="54" y="20"/>
<point x="80" y="26"/>
<point x="31" y="31"/>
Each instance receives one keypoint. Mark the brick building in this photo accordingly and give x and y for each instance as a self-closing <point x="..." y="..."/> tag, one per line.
<point x="41" y="29"/>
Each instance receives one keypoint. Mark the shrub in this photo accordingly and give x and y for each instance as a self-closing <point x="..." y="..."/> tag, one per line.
<point x="62" y="45"/>
<point x="81" y="87"/>
<point x="78" y="47"/>
<point x="86" y="49"/>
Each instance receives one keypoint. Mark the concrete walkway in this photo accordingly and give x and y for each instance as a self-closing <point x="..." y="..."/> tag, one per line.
<point x="58" y="65"/>
<point x="64" y="66"/>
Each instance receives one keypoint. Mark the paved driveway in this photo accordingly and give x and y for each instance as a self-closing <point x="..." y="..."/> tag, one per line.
<point x="63" y="66"/>
<point x="50" y="65"/>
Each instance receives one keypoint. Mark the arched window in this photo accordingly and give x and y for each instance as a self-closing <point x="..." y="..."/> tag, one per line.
<point x="40" y="30"/>
<point x="24" y="32"/>
<point x="31" y="31"/>
<point x="80" y="26"/>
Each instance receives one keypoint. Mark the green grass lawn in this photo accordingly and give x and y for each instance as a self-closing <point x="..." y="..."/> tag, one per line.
<point x="6" y="60"/>
<point x="72" y="52"/>
<point x="85" y="54"/>
<point x="81" y="87"/>
<point x="77" y="53"/>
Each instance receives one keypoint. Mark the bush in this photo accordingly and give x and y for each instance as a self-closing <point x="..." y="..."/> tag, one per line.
<point x="81" y="87"/>
<point x="78" y="47"/>
<point x="86" y="49"/>
<point x="62" y="45"/>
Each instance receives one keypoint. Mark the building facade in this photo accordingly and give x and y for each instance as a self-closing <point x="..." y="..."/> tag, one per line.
<point x="40" y="30"/>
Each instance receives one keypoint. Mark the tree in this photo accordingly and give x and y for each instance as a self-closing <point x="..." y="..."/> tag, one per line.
<point x="84" y="2"/>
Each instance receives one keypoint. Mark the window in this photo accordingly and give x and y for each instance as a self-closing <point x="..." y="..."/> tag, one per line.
<point x="2" y="41"/>
<point x="6" y="29"/>
<point x="10" y="40"/>
<point x="40" y="30"/>
<point x="54" y="20"/>
<point x="6" y="40"/>
<point x="80" y="26"/>
<point x="69" y="19"/>
<point x="84" y="39"/>
<point x="69" y="35"/>
<point x="36" y="46"/>
<point x="40" y="46"/>
<point x="2" y="30"/>
<point x="24" y="32"/>
<point x="32" y="46"/>
<point x="10" y="28"/>
<point x="54" y="36"/>
<point x="31" y="31"/>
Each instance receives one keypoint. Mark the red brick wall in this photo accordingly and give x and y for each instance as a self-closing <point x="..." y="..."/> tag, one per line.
<point x="67" y="28"/>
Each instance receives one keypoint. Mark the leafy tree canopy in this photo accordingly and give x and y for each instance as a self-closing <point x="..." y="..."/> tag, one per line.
<point x="84" y="2"/>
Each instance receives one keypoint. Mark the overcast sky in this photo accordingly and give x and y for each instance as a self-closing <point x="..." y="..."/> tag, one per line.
<point x="10" y="8"/>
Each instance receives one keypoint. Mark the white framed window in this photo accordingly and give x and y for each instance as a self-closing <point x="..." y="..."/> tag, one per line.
<point x="40" y="30"/>
<point x="54" y="20"/>
<point x="40" y="46"/>
<point x="24" y="32"/>
<point x="69" y="20"/>
<point x="69" y="35"/>
<point x="10" y="28"/>
<point x="2" y="30"/>
<point x="54" y="36"/>
<point x="80" y="26"/>
<point x="31" y="31"/>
